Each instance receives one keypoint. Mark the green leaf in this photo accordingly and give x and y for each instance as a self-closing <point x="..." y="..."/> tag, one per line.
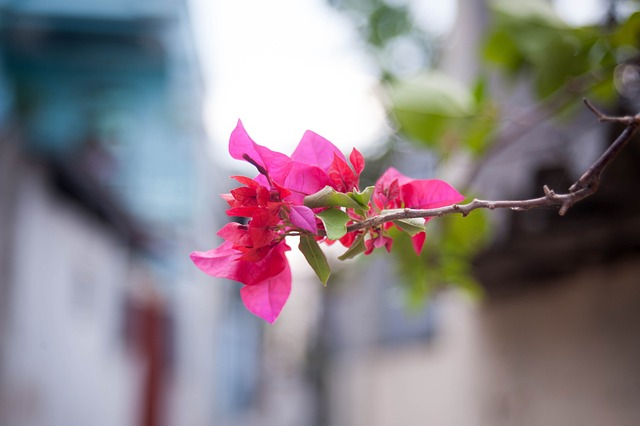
<point x="426" y="105"/>
<point x="411" y="226"/>
<point x="356" y="248"/>
<point x="363" y="197"/>
<point x="335" y="222"/>
<point x="329" y="197"/>
<point x="316" y="258"/>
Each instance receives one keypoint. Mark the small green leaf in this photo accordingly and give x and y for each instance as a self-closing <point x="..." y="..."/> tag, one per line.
<point x="411" y="226"/>
<point x="363" y="197"/>
<point x="356" y="248"/>
<point x="316" y="258"/>
<point x="329" y="197"/>
<point x="335" y="223"/>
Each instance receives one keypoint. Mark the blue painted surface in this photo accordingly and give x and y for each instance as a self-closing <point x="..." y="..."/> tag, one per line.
<point x="103" y="84"/>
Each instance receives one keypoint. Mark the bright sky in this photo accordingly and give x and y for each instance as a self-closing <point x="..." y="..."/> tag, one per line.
<point x="588" y="12"/>
<point x="285" y="66"/>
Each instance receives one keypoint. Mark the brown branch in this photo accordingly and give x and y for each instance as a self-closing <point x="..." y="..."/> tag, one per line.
<point x="582" y="188"/>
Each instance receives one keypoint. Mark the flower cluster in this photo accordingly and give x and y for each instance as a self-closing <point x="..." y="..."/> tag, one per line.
<point x="313" y="194"/>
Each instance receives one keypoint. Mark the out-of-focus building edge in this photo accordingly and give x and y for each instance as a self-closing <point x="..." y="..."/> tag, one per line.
<point x="556" y="339"/>
<point x="106" y="185"/>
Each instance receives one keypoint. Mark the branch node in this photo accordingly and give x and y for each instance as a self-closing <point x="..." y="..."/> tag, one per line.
<point x="564" y="208"/>
<point x="628" y="120"/>
<point x="599" y="115"/>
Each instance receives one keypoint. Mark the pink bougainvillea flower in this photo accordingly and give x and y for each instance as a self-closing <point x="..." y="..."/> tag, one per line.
<point x="394" y="190"/>
<point x="307" y="171"/>
<point x="253" y="254"/>
<point x="254" y="197"/>
<point x="349" y="238"/>
<point x="378" y="241"/>
<point x="244" y="201"/>
<point x="242" y="147"/>
<point x="225" y="262"/>
<point x="270" y="276"/>
<point x="315" y="150"/>
<point x="267" y="298"/>
<point x="318" y="163"/>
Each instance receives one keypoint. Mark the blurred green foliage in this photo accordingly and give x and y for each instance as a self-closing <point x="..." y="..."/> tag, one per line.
<point x="442" y="114"/>
<point x="525" y="41"/>
<point x="381" y="24"/>
<point x="530" y="37"/>
<point x="446" y="259"/>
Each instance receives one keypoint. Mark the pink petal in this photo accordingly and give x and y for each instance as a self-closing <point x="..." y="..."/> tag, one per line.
<point x="224" y="262"/>
<point x="418" y="242"/>
<point x="390" y="175"/>
<point x="246" y="181"/>
<point x="228" y="198"/>
<point x="267" y="298"/>
<point x="302" y="217"/>
<point x="357" y="161"/>
<point x="342" y="177"/>
<point x="235" y="233"/>
<point x="386" y="191"/>
<point x="314" y="150"/>
<point x="379" y="241"/>
<point x="303" y="180"/>
<point x="388" y="242"/>
<point x="429" y="194"/>
<point x="241" y="211"/>
<point x="369" y="246"/>
<point x="241" y="144"/>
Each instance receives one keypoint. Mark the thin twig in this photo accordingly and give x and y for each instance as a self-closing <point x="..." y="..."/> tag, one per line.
<point x="581" y="189"/>
<point x="593" y="174"/>
<point x="627" y="119"/>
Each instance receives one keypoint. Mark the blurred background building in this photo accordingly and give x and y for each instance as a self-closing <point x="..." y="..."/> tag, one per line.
<point x="105" y="187"/>
<point x="107" y="183"/>
<point x="555" y="339"/>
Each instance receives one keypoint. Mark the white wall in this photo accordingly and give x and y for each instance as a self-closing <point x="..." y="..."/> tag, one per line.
<point x="65" y="359"/>
<point x="565" y="354"/>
